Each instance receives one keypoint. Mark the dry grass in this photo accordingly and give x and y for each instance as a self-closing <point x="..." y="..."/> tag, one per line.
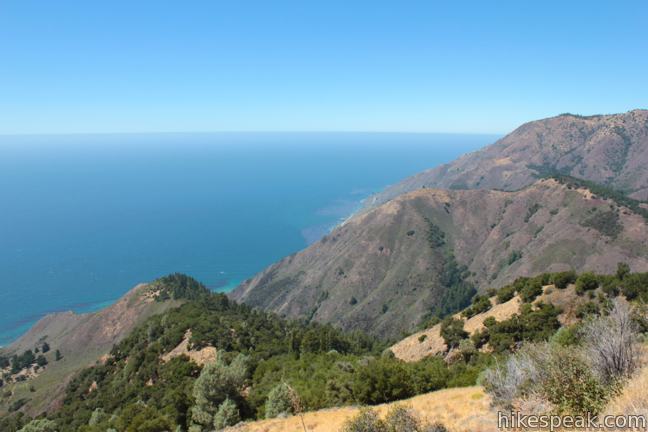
<point x="500" y="312"/>
<point x="464" y="409"/>
<point x="633" y="399"/>
<point x="200" y="357"/>
<point x="412" y="349"/>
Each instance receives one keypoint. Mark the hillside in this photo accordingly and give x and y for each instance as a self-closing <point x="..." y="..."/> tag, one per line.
<point x="424" y="253"/>
<point x="81" y="340"/>
<point x="464" y="409"/>
<point x="211" y="362"/>
<point x="429" y="342"/>
<point x="607" y="149"/>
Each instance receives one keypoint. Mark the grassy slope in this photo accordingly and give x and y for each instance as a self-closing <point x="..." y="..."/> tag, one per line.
<point x="412" y="348"/>
<point x="460" y="409"/>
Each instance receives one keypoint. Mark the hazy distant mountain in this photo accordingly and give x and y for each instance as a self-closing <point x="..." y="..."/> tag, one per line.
<point x="607" y="149"/>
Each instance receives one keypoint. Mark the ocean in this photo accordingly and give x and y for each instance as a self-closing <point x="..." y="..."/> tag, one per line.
<point x="83" y="218"/>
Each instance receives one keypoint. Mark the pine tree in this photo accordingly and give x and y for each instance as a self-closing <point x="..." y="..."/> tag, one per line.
<point x="216" y="383"/>
<point x="227" y="415"/>
<point x="280" y="401"/>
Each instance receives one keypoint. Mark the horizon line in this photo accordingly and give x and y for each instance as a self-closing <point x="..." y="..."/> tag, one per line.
<point x="396" y="132"/>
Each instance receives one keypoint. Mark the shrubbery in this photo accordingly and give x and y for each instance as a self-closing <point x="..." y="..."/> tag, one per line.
<point x="505" y="294"/>
<point x="529" y="325"/>
<point x="398" y="419"/>
<point x="324" y="367"/>
<point x="479" y="305"/>
<point x="570" y="377"/>
<point x="282" y="400"/>
<point x="452" y="332"/>
<point x="179" y="286"/>
<point x="586" y="282"/>
<point x="528" y="289"/>
<point x="218" y="383"/>
<point x="563" y="279"/>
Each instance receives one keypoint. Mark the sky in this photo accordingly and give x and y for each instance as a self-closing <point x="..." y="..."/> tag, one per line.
<point x="407" y="66"/>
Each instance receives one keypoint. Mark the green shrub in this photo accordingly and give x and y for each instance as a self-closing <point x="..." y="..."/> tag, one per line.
<point x="428" y="375"/>
<point x="280" y="401"/>
<point x="179" y="286"/>
<point x="635" y="286"/>
<point x="532" y="289"/>
<point x="588" y="309"/>
<point x="505" y="294"/>
<point x="39" y="425"/>
<point x="382" y="380"/>
<point x="452" y="332"/>
<point x="610" y="285"/>
<point x="586" y="282"/>
<point x="480" y="304"/>
<point x="217" y="382"/>
<point x="227" y="415"/>
<point x="563" y="279"/>
<point x="480" y="337"/>
<point x="566" y="336"/>
<point x="622" y="271"/>
<point x="571" y="386"/>
<point x="530" y="324"/>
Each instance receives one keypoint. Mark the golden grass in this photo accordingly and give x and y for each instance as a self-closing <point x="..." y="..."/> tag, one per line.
<point x="633" y="399"/>
<point x="413" y="349"/>
<point x="465" y="409"/>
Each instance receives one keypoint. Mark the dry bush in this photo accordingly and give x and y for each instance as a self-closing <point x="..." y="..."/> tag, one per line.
<point x="399" y="419"/>
<point x="611" y="343"/>
<point x="573" y="379"/>
<point x="367" y="420"/>
<point x="513" y="379"/>
<point x="402" y="419"/>
<point x="545" y="376"/>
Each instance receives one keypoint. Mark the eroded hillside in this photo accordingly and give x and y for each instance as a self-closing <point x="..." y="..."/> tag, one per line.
<point x="424" y="252"/>
<point x="606" y="149"/>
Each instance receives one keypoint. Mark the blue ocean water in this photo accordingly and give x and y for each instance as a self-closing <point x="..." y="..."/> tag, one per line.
<point x="83" y="218"/>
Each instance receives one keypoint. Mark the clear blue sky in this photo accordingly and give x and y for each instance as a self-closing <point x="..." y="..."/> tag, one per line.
<point x="137" y="66"/>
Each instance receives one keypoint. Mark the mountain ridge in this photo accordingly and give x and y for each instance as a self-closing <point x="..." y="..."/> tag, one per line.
<point x="80" y="340"/>
<point x="610" y="149"/>
<point x="383" y="271"/>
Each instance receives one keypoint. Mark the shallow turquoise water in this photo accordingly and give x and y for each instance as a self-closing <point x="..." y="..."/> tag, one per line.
<point x="85" y="218"/>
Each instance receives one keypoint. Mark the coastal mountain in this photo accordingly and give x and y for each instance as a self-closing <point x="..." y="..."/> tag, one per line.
<point x="427" y="252"/>
<point x="70" y="342"/>
<point x="611" y="150"/>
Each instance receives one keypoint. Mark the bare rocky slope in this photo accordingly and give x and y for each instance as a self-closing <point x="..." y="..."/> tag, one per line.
<point x="606" y="149"/>
<point x="387" y="269"/>
<point x="82" y="340"/>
